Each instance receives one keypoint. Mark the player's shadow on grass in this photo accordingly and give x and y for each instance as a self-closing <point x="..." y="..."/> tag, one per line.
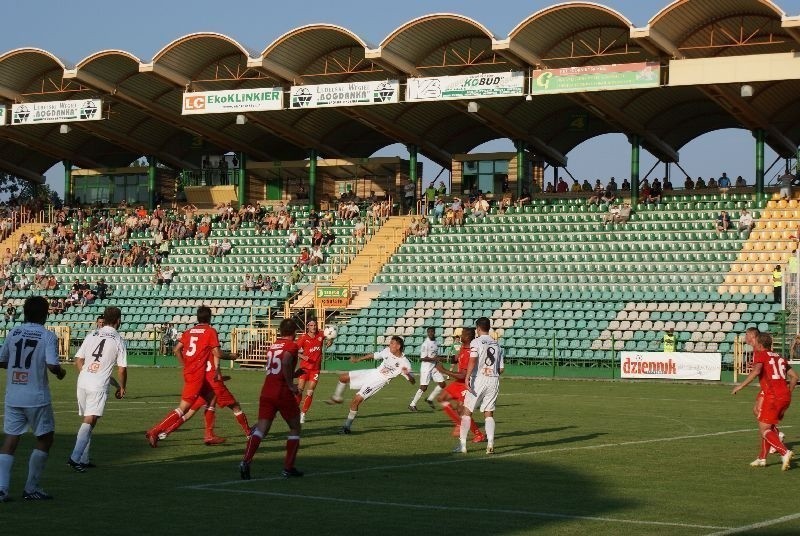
<point x="503" y="447"/>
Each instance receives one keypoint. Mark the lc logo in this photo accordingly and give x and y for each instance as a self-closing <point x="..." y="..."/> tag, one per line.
<point x="195" y="102"/>
<point x="19" y="377"/>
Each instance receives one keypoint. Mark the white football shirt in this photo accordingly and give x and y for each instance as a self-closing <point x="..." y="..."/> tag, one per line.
<point x="391" y="366"/>
<point x="429" y="349"/>
<point x="28" y="349"/>
<point x="101" y="350"/>
<point x="488" y="356"/>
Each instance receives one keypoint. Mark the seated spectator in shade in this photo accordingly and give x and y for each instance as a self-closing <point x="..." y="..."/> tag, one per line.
<point x="52" y="283"/>
<point x="266" y="286"/>
<point x="655" y="193"/>
<point x="316" y="237"/>
<point x="313" y="219"/>
<point x="740" y="182"/>
<point x="225" y="247"/>
<point x="291" y="242"/>
<point x="481" y="207"/>
<point x="57" y="306"/>
<point x="505" y="203"/>
<point x="688" y="184"/>
<point x="626" y="186"/>
<point x="305" y="257"/>
<point x="586" y="187"/>
<point x="700" y="184"/>
<point x="24" y="283"/>
<point x="746" y="223"/>
<point x="724" y="181"/>
<point x="723" y="222"/>
<point x="317" y="257"/>
<point x="101" y="289"/>
<point x="41" y="275"/>
<point x="158" y="277"/>
<point x="328" y="238"/>
<point x="258" y="284"/>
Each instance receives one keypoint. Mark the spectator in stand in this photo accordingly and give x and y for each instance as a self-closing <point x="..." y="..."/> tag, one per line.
<point x="359" y="229"/>
<point x="746" y="223"/>
<point x="10" y="314"/>
<point x="214" y="249"/>
<point x="611" y="215"/>
<point x="608" y="197"/>
<point x="598" y="188"/>
<point x="724" y="181"/>
<point x="266" y="285"/>
<point x="655" y="192"/>
<point x="688" y="184"/>
<point x="430" y="197"/>
<point x="101" y="289"/>
<point x="168" y="274"/>
<point x="225" y="247"/>
<point x="408" y="195"/>
<point x="700" y="184"/>
<point x="740" y="182"/>
<point x="723" y="222"/>
<point x="424" y="227"/>
<point x="586" y="187"/>
<point x="158" y="277"/>
<point x="438" y="208"/>
<point x="291" y="242"/>
<point x="328" y="237"/>
<point x="327" y="219"/>
<point x="296" y="275"/>
<point x="624" y="213"/>
<point x="712" y="182"/>
<point x="481" y="207"/>
<point x="550" y="189"/>
<point x="612" y="185"/>
<point x="458" y="211"/>
<point x="313" y="218"/>
<point x="786" y="181"/>
<point x="562" y="186"/>
<point x="249" y="284"/>
<point x="316" y="237"/>
<point x="442" y="189"/>
<point x="507" y="201"/>
<point x="317" y="257"/>
<point x="204" y="229"/>
<point x="576" y="186"/>
<point x="24" y="283"/>
<point x="626" y="186"/>
<point x="305" y="257"/>
<point x="667" y="185"/>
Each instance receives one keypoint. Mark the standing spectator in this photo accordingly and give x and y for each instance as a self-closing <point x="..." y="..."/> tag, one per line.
<point x="688" y="184"/>
<point x="700" y="184"/>
<point x="667" y="185"/>
<point x="786" y="181"/>
<point x="740" y="182"/>
<point x="712" y="182"/>
<point x="430" y="197"/>
<point x="724" y="181"/>
<point x="777" y="284"/>
<point x="408" y="195"/>
<point x="723" y="222"/>
<point x="612" y="185"/>
<point x="28" y="404"/>
<point x="670" y="342"/>
<point x="745" y="221"/>
<point x="626" y="186"/>
<point x="562" y="186"/>
<point x="442" y="189"/>
<point x="586" y="187"/>
<point x="576" y="186"/>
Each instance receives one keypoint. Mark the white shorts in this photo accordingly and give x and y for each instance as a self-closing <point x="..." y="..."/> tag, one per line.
<point x="366" y="382"/>
<point x="91" y="402"/>
<point x="39" y="419"/>
<point x="485" y="396"/>
<point x="428" y="372"/>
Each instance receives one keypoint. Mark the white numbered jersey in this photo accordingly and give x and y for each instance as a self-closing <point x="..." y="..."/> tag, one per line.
<point x="391" y="366"/>
<point x="429" y="349"/>
<point x="28" y="349"/>
<point x="101" y="350"/>
<point x="488" y="357"/>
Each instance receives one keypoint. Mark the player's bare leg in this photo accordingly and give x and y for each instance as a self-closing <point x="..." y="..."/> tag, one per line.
<point x="338" y="394"/>
<point x="351" y="416"/>
<point x="308" y="398"/>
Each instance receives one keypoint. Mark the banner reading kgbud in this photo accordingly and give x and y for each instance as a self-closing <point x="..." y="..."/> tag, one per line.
<point x="671" y="366"/>
<point x="470" y="86"/>
<point x="345" y="94"/>
<point x="235" y="100"/>
<point x="30" y="113"/>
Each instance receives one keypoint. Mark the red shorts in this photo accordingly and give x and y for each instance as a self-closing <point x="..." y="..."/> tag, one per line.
<point x="309" y="375"/>
<point x="456" y="390"/>
<point x="772" y="409"/>
<point x="224" y="397"/>
<point x="196" y="388"/>
<point x="270" y="403"/>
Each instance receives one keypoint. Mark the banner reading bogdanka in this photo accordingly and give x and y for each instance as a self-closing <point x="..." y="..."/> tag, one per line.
<point x="30" y="113"/>
<point x="233" y="101"/>
<point x="596" y="78"/>
<point x="345" y="94"/>
<point x="671" y="365"/>
<point x="471" y="86"/>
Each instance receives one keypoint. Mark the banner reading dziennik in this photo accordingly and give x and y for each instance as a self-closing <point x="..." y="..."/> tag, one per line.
<point x="596" y="78"/>
<point x="29" y="113"/>
<point x="671" y="366"/>
<point x="345" y="94"/>
<point x="233" y="101"/>
<point x="470" y="86"/>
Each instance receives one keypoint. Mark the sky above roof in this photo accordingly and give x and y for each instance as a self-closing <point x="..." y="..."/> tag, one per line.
<point x="76" y="29"/>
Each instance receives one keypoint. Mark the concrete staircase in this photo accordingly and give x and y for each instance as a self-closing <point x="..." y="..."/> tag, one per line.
<point x="12" y="242"/>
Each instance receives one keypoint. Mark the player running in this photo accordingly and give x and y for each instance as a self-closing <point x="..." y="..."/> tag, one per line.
<point x="427" y="371"/>
<point x="370" y="381"/>
<point x="101" y="350"/>
<point x="198" y="351"/>
<point x="773" y="400"/>
<point x="483" y="383"/>
<point x="452" y="398"/>
<point x="310" y="344"/>
<point x="28" y="352"/>
<point x="278" y="396"/>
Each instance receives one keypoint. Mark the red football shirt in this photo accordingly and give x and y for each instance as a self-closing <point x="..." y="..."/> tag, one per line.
<point x="311" y="345"/>
<point x="773" y="373"/>
<point x="463" y="361"/>
<point x="198" y="342"/>
<point x="275" y="382"/>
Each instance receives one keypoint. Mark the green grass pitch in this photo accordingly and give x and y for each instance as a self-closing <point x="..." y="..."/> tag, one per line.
<point x="572" y="457"/>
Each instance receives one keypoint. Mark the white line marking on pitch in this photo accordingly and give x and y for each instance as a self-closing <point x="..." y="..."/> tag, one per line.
<point x="461" y="458"/>
<point x="760" y="525"/>
<point x="367" y="502"/>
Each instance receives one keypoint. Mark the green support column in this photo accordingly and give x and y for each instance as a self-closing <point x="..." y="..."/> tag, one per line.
<point x="412" y="170"/>
<point x="151" y="182"/>
<point x="520" y="145"/>
<point x="67" y="181"/>
<point x="312" y="178"/>
<point x="759" y="135"/>
<point x="241" y="188"/>
<point x="635" y="149"/>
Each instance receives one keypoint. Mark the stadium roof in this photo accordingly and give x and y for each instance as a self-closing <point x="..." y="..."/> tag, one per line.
<point x="143" y="99"/>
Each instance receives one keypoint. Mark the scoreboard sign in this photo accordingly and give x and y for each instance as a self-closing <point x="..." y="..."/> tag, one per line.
<point x="333" y="296"/>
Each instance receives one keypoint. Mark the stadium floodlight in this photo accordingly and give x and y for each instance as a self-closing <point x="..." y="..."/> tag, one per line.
<point x="64" y="129"/>
<point x="746" y="91"/>
<point x="473" y="107"/>
<point x="241" y="119"/>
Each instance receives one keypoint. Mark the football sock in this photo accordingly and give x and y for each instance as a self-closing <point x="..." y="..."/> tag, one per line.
<point x="85" y="457"/>
<point x="170" y="423"/>
<point x="762" y="454"/>
<point x="772" y="438"/>
<point x="308" y="400"/>
<point x="465" y="420"/>
<point x="252" y="445"/>
<point x="350" y="418"/>
<point x="337" y="394"/>
<point x="488" y="425"/>
<point x="6" y="461"/>
<point x="84" y="436"/>
<point x="435" y="393"/>
<point x="35" y="467"/>
<point x="292" y="444"/>
<point x="241" y="418"/>
<point x="450" y="412"/>
<point x="416" y="398"/>
<point x="474" y="427"/>
<point x="210" y="416"/>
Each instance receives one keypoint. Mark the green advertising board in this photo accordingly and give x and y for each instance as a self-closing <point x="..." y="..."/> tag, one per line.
<point x="596" y="78"/>
<point x="327" y="293"/>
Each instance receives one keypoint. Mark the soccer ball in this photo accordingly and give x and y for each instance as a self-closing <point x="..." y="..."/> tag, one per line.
<point x="329" y="332"/>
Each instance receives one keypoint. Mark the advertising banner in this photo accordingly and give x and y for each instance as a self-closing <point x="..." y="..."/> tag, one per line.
<point x="671" y="366"/>
<point x="32" y="113"/>
<point x="2" y="116"/>
<point x="345" y="94"/>
<point x="233" y="101"/>
<point x="470" y="86"/>
<point x="333" y="296"/>
<point x="596" y="78"/>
